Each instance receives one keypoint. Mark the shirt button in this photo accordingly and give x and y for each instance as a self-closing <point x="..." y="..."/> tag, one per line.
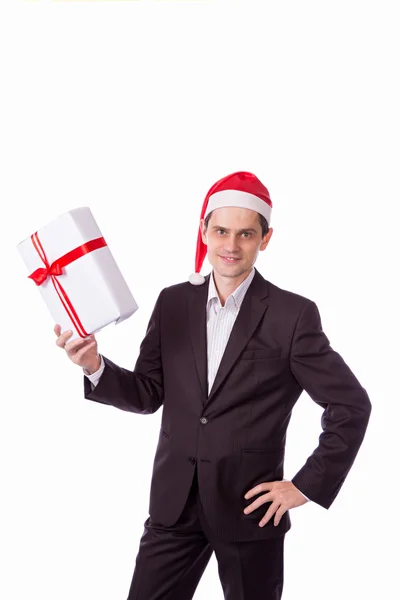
<point x="203" y="421"/>
<point x="192" y="460"/>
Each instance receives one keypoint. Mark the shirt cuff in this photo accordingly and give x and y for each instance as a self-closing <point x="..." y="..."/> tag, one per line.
<point x="94" y="377"/>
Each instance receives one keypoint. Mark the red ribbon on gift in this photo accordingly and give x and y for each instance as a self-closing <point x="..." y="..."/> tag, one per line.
<point x="56" y="269"/>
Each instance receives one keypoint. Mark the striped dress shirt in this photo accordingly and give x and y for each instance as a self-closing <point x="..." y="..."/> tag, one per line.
<point x="220" y="322"/>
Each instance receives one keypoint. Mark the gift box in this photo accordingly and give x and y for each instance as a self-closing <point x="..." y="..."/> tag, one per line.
<point x="74" y="270"/>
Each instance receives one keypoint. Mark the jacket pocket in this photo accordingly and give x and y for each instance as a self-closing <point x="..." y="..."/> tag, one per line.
<point x="261" y="354"/>
<point x="262" y="450"/>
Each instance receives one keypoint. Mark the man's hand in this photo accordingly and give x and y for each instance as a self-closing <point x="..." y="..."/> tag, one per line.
<point x="82" y="352"/>
<point x="282" y="494"/>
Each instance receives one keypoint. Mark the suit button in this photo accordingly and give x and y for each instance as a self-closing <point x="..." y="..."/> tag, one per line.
<point x="203" y="421"/>
<point x="192" y="460"/>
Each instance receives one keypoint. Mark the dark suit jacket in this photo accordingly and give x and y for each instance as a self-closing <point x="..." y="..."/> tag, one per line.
<point x="235" y="436"/>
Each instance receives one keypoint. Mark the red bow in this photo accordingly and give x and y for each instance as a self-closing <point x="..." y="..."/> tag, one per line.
<point x="40" y="275"/>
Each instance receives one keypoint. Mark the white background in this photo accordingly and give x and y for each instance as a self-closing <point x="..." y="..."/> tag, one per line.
<point x="135" y="109"/>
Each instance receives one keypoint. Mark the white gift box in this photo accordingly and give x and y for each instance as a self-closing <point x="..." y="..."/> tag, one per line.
<point x="90" y="292"/>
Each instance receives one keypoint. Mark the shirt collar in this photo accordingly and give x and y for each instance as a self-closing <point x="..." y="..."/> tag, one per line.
<point x="237" y="295"/>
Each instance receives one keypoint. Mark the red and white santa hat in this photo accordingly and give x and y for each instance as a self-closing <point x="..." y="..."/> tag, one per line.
<point x="240" y="189"/>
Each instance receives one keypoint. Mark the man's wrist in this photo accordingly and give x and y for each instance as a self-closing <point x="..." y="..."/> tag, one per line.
<point x="92" y="370"/>
<point x="95" y="376"/>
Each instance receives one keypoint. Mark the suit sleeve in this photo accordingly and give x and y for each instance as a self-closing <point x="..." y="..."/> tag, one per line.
<point x="141" y="390"/>
<point x="324" y="375"/>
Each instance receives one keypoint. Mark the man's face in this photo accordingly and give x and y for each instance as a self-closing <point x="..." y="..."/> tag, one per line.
<point x="234" y="239"/>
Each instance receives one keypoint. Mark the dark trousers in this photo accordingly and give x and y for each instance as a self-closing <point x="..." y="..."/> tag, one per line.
<point x="171" y="560"/>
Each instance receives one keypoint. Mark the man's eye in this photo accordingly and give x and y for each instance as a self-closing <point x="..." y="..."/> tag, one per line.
<point x="246" y="233"/>
<point x="220" y="231"/>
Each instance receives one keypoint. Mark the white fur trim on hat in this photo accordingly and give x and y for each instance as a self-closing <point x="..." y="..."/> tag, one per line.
<point x="239" y="199"/>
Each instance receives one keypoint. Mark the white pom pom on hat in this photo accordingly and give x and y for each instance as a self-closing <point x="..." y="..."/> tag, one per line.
<point x="241" y="189"/>
<point x="196" y="279"/>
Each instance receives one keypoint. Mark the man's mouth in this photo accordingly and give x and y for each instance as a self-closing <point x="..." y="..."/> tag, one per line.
<point x="229" y="259"/>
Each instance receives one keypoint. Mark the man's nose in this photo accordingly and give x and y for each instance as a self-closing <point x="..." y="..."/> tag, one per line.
<point x="231" y="244"/>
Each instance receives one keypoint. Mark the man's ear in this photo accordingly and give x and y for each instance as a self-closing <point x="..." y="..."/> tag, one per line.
<point x="203" y="231"/>
<point x="266" y="239"/>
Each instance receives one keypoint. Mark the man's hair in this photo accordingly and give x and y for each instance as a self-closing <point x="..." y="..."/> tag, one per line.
<point x="261" y="218"/>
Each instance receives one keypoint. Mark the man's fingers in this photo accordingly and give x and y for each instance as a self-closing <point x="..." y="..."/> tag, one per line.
<point x="257" y="503"/>
<point x="57" y="330"/>
<point x="75" y="345"/>
<point x="272" y="509"/>
<point x="279" y="514"/>
<point x="266" y="486"/>
<point x="80" y="353"/>
<point x="62" y="339"/>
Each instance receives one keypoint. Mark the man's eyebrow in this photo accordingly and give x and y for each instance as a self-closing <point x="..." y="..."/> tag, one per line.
<point x="215" y="227"/>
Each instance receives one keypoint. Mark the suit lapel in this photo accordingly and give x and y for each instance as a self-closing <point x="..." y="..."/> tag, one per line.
<point x="197" y="306"/>
<point x="251" y="311"/>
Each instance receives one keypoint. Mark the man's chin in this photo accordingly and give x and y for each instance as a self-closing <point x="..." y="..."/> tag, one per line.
<point x="234" y="271"/>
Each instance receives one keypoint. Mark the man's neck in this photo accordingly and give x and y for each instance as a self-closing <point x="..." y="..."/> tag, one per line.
<point x="227" y="285"/>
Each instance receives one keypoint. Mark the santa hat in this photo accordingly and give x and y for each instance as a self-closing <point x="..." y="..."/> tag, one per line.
<point x="240" y="189"/>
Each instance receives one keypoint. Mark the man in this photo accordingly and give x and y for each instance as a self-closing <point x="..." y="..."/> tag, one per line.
<point x="228" y="356"/>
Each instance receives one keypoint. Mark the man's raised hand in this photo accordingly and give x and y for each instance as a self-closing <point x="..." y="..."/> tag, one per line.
<point x="83" y="352"/>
